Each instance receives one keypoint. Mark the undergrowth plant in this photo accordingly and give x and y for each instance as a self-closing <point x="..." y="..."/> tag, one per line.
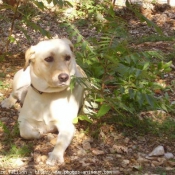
<point x="122" y="78"/>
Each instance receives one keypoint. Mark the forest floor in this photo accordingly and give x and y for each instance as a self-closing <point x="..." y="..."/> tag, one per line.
<point x="105" y="147"/>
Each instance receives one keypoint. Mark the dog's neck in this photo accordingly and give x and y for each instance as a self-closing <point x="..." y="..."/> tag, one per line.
<point x="40" y="92"/>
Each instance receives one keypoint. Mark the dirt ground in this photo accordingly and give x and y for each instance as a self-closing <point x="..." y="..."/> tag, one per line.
<point x="108" y="151"/>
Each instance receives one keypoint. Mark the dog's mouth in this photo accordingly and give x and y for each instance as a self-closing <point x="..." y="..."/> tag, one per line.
<point x="64" y="84"/>
<point x="60" y="84"/>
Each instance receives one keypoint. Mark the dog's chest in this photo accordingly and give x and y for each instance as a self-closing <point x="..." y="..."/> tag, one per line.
<point x="50" y="108"/>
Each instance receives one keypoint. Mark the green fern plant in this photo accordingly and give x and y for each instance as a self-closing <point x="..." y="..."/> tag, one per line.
<point x="124" y="79"/>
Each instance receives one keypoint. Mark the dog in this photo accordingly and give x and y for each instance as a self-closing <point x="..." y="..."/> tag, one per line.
<point x="43" y="86"/>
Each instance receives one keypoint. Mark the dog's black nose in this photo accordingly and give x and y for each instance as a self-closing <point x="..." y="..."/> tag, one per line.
<point x="63" y="77"/>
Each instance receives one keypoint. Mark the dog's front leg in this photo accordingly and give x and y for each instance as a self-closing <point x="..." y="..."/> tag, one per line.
<point x="27" y="130"/>
<point x="66" y="133"/>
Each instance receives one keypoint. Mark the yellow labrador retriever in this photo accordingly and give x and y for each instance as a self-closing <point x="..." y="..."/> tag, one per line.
<point x="49" y="103"/>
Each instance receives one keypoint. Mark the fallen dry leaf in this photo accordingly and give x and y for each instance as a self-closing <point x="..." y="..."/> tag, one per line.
<point x="86" y="145"/>
<point x="119" y="149"/>
<point x="97" y="152"/>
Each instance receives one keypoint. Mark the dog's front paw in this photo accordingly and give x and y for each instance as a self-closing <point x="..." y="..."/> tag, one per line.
<point x="55" y="159"/>
<point x="8" y="103"/>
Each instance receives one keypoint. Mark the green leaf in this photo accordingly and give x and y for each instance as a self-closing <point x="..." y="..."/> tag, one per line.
<point x="68" y="3"/>
<point x="146" y="65"/>
<point x="86" y="118"/>
<point x="72" y="83"/>
<point x="25" y="32"/>
<point x="40" y="5"/>
<point x="104" y="109"/>
<point x="79" y="38"/>
<point x="75" y="120"/>
<point x="131" y="93"/>
<point x="100" y="100"/>
<point x="150" y="100"/>
<point x="58" y="2"/>
<point x="12" y="39"/>
<point x="163" y="106"/>
<point x="138" y="72"/>
<point x="140" y="98"/>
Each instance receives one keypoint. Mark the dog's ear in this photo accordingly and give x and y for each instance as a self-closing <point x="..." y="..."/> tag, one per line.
<point x="29" y="56"/>
<point x="69" y="43"/>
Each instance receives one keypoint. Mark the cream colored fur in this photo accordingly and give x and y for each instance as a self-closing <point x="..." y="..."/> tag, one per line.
<point x="57" y="106"/>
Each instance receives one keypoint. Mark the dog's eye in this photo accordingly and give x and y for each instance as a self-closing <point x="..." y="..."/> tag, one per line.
<point x="67" y="58"/>
<point x="49" y="59"/>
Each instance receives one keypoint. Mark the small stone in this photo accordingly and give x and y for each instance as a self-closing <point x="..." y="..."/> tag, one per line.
<point x="166" y="75"/>
<point x="158" y="151"/>
<point x="169" y="155"/>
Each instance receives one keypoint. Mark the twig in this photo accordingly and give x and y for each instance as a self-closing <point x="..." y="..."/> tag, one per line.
<point x="12" y="25"/>
<point x="173" y="66"/>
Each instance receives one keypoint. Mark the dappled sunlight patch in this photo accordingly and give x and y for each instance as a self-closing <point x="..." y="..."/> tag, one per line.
<point x="156" y="116"/>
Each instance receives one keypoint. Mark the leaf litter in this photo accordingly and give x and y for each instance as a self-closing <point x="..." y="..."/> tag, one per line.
<point x="110" y="149"/>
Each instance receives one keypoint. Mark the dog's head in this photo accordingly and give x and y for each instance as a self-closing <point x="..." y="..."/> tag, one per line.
<point x="52" y="64"/>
